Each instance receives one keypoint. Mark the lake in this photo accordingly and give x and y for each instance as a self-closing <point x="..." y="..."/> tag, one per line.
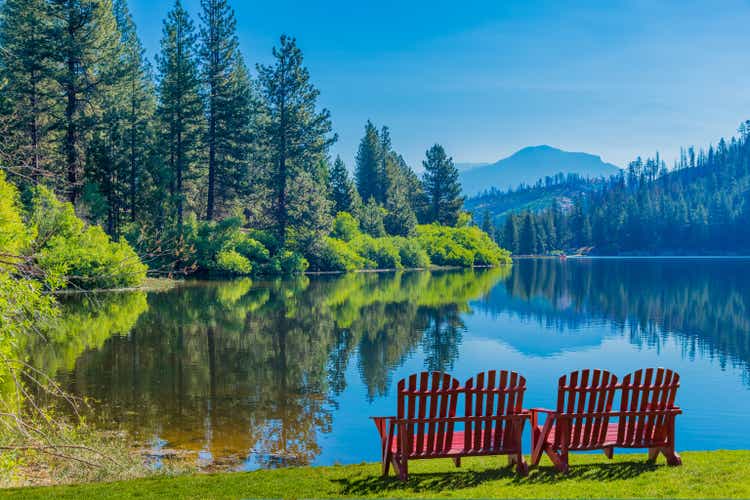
<point x="263" y="374"/>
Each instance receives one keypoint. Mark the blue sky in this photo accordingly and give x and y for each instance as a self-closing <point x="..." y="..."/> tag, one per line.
<point x="485" y="78"/>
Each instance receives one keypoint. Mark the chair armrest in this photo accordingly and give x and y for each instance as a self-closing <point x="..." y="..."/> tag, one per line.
<point x="535" y="415"/>
<point x="384" y="426"/>
<point x="542" y="410"/>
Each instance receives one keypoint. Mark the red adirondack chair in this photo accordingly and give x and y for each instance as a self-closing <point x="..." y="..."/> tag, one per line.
<point x="425" y="425"/>
<point x="494" y="416"/>
<point x="648" y="413"/>
<point x="584" y="410"/>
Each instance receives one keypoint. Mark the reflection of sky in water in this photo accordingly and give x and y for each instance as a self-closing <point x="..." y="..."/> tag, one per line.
<point x="544" y="320"/>
<point x="714" y="399"/>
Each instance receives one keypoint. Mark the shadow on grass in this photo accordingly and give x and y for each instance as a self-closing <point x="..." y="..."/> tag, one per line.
<point x="436" y="482"/>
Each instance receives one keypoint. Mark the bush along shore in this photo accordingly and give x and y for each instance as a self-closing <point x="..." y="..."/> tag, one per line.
<point x="714" y="474"/>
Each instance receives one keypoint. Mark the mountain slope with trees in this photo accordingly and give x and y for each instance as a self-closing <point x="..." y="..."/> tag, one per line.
<point x="701" y="206"/>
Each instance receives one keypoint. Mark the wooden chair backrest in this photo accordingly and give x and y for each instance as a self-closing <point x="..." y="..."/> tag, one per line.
<point x="496" y="394"/>
<point x="648" y="393"/>
<point x="425" y="396"/>
<point x="585" y="399"/>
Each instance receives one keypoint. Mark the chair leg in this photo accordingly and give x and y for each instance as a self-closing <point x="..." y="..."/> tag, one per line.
<point x="559" y="460"/>
<point x="522" y="467"/>
<point x="673" y="458"/>
<point x="653" y="454"/>
<point x="609" y="452"/>
<point x="457" y="461"/>
<point x="404" y="470"/>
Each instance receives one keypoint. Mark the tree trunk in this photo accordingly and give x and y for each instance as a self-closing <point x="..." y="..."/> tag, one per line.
<point x="133" y="173"/>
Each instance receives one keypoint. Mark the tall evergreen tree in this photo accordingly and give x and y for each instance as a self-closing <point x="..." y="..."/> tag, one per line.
<point x="441" y="185"/>
<point x="487" y="225"/>
<point x="85" y="54"/>
<point x="236" y="144"/>
<point x="369" y="165"/>
<point x="298" y="134"/>
<point x="511" y="234"/>
<point x="26" y="69"/>
<point x="371" y="218"/>
<point x="342" y="187"/>
<point x="387" y="168"/>
<point x="139" y="106"/>
<point x="400" y="220"/>
<point x="528" y="244"/>
<point x="180" y="107"/>
<point x="219" y="58"/>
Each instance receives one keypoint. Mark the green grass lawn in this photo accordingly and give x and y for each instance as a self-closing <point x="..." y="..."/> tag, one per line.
<point x="718" y="474"/>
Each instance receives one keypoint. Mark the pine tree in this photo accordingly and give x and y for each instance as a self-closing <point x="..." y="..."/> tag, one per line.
<point x="25" y="52"/>
<point x="528" y="243"/>
<point x="309" y="215"/>
<point x="342" y="187"/>
<point x="387" y="169"/>
<point x="487" y="224"/>
<point x="371" y="218"/>
<point x="298" y="134"/>
<point x="180" y="108"/>
<point x="139" y="106"/>
<point x="414" y="190"/>
<point x="442" y="187"/>
<point x="511" y="234"/>
<point x="219" y="54"/>
<point x="235" y="145"/>
<point x="400" y="219"/>
<point x="85" y="54"/>
<point x="369" y="165"/>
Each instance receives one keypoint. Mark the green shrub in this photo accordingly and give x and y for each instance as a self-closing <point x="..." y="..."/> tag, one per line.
<point x="411" y="253"/>
<point x="290" y="263"/>
<point x="252" y="249"/>
<point x="380" y="252"/>
<point x="345" y="227"/>
<point x="73" y="254"/>
<point x="266" y="238"/>
<point x="14" y="237"/>
<point x="338" y="255"/>
<point x="231" y="262"/>
<point x="462" y="246"/>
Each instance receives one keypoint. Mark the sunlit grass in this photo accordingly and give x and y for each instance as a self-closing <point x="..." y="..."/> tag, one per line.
<point x="718" y="474"/>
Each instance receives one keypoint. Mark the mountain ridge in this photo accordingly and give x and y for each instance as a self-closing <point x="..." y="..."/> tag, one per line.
<point x="530" y="164"/>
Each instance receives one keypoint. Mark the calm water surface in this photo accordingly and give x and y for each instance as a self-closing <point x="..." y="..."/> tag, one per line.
<point x="254" y="374"/>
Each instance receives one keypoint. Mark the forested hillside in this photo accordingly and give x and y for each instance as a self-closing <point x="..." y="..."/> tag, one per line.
<point x="495" y="204"/>
<point x="701" y="206"/>
<point x="199" y="162"/>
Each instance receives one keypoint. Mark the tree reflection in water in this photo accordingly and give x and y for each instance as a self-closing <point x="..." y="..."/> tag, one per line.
<point x="227" y="368"/>
<point x="250" y="374"/>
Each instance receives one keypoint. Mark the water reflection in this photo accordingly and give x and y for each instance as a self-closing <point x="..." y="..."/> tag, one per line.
<point x="270" y="374"/>
<point x="223" y="368"/>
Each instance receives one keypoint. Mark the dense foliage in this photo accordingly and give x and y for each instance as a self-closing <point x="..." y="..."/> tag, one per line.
<point x="200" y="165"/>
<point x="349" y="248"/>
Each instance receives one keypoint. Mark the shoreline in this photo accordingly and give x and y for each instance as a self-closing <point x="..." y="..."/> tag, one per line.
<point x="166" y="284"/>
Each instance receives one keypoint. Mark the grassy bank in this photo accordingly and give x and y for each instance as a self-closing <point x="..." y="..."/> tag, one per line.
<point x="718" y="474"/>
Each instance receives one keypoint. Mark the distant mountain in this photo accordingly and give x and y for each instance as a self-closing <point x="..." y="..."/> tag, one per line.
<point x="529" y="165"/>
